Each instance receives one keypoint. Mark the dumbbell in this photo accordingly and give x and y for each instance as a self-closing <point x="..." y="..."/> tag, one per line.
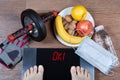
<point x="33" y="25"/>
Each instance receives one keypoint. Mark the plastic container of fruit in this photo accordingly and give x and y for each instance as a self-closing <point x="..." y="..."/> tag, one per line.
<point x="67" y="11"/>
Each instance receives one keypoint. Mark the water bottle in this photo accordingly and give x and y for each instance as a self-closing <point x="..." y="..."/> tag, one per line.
<point x="102" y="38"/>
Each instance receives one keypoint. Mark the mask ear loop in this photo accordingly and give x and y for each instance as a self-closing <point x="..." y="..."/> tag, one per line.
<point x="117" y="64"/>
<point x="112" y="73"/>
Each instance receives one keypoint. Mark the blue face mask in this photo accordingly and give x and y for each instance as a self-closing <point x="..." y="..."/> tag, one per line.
<point x="96" y="55"/>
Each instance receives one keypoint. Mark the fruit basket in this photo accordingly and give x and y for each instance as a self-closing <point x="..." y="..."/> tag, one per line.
<point x="63" y="13"/>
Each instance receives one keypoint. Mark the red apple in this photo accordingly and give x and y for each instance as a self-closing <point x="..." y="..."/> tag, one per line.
<point x="84" y="27"/>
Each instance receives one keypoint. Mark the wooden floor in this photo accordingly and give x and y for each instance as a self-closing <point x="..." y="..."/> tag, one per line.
<point x="105" y="12"/>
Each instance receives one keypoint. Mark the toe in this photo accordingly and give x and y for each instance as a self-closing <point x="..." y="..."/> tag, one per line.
<point x="73" y="71"/>
<point x="40" y="72"/>
<point x="31" y="70"/>
<point x="86" y="73"/>
<point x="35" y="69"/>
<point x="40" y="69"/>
<point x="89" y="76"/>
<point x="27" y="73"/>
<point x="82" y="70"/>
<point x="78" y="70"/>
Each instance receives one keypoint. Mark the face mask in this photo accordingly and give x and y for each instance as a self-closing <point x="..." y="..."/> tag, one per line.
<point x="96" y="55"/>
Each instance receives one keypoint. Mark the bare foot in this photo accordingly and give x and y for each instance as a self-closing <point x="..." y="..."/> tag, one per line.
<point x="34" y="73"/>
<point x="78" y="73"/>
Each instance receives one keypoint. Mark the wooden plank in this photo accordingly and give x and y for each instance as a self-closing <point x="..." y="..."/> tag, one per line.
<point x="12" y="7"/>
<point x="95" y="6"/>
<point x="9" y="22"/>
<point x="11" y="74"/>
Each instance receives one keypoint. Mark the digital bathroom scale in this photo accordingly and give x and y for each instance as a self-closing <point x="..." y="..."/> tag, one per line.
<point x="56" y="62"/>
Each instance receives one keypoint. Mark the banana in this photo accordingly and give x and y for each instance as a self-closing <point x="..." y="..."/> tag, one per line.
<point x="64" y="34"/>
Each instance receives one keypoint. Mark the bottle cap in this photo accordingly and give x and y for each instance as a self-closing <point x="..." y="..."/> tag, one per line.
<point x="98" y="28"/>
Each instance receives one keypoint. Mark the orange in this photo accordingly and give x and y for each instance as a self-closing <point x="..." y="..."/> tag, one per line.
<point x="79" y="12"/>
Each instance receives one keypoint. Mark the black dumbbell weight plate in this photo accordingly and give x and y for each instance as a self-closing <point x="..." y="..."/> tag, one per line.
<point x="29" y="16"/>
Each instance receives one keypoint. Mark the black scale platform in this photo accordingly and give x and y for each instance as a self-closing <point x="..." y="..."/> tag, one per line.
<point x="56" y="62"/>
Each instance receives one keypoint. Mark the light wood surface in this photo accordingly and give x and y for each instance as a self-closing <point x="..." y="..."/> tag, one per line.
<point x="105" y="12"/>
